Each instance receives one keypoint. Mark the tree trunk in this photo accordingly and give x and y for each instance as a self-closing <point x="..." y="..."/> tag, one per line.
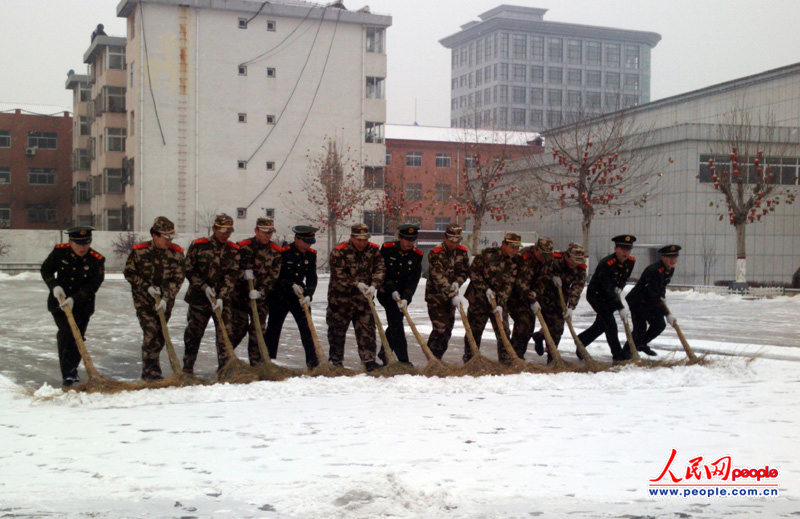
<point x="741" y="254"/>
<point x="586" y="226"/>
<point x="477" y="224"/>
<point x="332" y="234"/>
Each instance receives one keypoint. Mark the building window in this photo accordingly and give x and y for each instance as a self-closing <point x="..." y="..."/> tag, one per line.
<point x="113" y="99"/>
<point x="536" y="118"/>
<point x="502" y="94"/>
<point x="374" y="87"/>
<point x="537" y="47"/>
<point x="272" y="73"/>
<point x="443" y="160"/>
<point x="414" y="220"/>
<point x="5" y="216"/>
<point x="469" y="162"/>
<point x="83" y="126"/>
<point x="242" y="70"/>
<point x="375" y="39"/>
<point x="5" y="138"/>
<point x="503" y="45"/>
<point x="116" y="57"/>
<point x="518" y="95"/>
<point x="612" y="102"/>
<point x="631" y="56"/>
<point x="631" y="82"/>
<point x="374" y="177"/>
<point x="270" y="119"/>
<point x="519" y="46"/>
<point x="241" y="213"/>
<point x="555" y="75"/>
<point x="413" y="191"/>
<point x="593" y="53"/>
<point x="270" y="165"/>
<point x="112" y="181"/>
<point x="518" y="117"/>
<point x="115" y="139"/>
<point x="374" y="221"/>
<point x="573" y="99"/>
<point x="612" y="55"/>
<point x="536" y="96"/>
<point x="84" y="93"/>
<point x="593" y="78"/>
<point x="414" y="158"/>
<point x="5" y="175"/>
<point x="537" y="74"/>
<point x="593" y="100"/>
<point x="243" y="23"/>
<point x="272" y="25"/>
<point x="242" y="118"/>
<point x="574" y="51"/>
<point x="82" y="192"/>
<point x="440" y="223"/>
<point x="612" y="80"/>
<point x="41" y="213"/>
<point x="80" y="159"/>
<point x="269" y="212"/>
<point x="518" y="72"/>
<point x="388" y="158"/>
<point x="628" y="101"/>
<point x="373" y="132"/>
<point x="113" y="219"/>
<point x="553" y="118"/>
<point x="41" y="177"/>
<point x="42" y="140"/>
<point x="241" y="164"/>
<point x="503" y="75"/>
<point x="443" y="192"/>
<point x="555" y="50"/>
<point x="574" y="77"/>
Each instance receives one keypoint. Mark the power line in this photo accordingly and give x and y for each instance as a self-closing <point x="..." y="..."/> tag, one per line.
<point x="266" y="52"/>
<point x="149" y="79"/>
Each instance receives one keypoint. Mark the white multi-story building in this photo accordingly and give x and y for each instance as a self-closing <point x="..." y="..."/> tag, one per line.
<point x="227" y="101"/>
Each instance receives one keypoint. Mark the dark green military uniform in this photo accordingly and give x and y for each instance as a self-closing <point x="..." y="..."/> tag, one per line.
<point x="80" y="277"/>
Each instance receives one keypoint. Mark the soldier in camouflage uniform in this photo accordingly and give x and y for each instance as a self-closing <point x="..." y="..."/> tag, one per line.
<point x="212" y="268"/>
<point x="403" y="264"/>
<point x="536" y="266"/>
<point x="261" y="262"/>
<point x="493" y="272"/>
<point x="448" y="269"/>
<point x="73" y="271"/>
<point x="154" y="268"/>
<point x="357" y="271"/>
<point x="569" y="276"/>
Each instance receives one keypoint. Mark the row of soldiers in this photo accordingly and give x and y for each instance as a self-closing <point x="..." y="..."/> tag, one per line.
<point x="224" y="277"/>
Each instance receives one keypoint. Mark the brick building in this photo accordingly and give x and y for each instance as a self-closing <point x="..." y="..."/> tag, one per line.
<point x="35" y="169"/>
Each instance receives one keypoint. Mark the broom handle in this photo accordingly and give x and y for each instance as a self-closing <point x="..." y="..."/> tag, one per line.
<point x="226" y="341"/>
<point x="323" y="360"/>
<point x="578" y="344"/>
<point x="387" y="351"/>
<point x="174" y="363"/>
<point x="548" y="339"/>
<point x="634" y="352"/>
<point x="502" y="330"/>
<point x="76" y="334"/>
<point x="476" y="352"/>
<point x="684" y="342"/>
<point x="427" y="351"/>
<point x="262" y="345"/>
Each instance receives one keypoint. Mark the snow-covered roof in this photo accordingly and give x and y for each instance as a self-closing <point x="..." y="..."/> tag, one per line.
<point x="410" y="132"/>
<point x="35" y="109"/>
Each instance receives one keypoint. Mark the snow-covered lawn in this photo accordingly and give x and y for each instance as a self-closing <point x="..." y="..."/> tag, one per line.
<point x="566" y="445"/>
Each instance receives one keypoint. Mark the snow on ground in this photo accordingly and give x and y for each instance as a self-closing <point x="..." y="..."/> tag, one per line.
<point x="566" y="445"/>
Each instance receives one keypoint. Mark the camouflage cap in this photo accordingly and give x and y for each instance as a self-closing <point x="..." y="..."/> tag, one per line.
<point x="576" y="252"/>
<point x="223" y="221"/>
<point x="163" y="225"/>
<point x="453" y="233"/>
<point x="265" y="224"/>
<point x="545" y="246"/>
<point x="512" y="238"/>
<point x="360" y="230"/>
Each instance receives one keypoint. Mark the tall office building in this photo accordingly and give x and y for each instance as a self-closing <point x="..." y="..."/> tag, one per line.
<point x="514" y="70"/>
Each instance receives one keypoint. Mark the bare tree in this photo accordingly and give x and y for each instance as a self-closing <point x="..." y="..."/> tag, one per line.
<point x="205" y="219"/>
<point x="124" y="242"/>
<point x="334" y="189"/>
<point x="5" y="248"/>
<point x="746" y="171"/>
<point x="597" y="165"/>
<point x="709" y="260"/>
<point x="396" y="204"/>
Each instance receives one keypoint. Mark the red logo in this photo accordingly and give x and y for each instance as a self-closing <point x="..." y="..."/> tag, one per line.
<point x="710" y="474"/>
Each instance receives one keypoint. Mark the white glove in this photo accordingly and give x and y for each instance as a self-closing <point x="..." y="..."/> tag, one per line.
<point x="58" y="293"/>
<point x="458" y="300"/>
<point x="161" y="306"/>
<point x="536" y="308"/>
<point x="217" y="305"/>
<point x="568" y="313"/>
<point x="671" y="320"/>
<point x="305" y="301"/>
<point x="371" y="291"/>
<point x="454" y="289"/>
<point x="211" y="295"/>
<point x="499" y="311"/>
<point x="490" y="294"/>
<point x="396" y="295"/>
<point x="362" y="287"/>
<point x="557" y="281"/>
<point x="67" y="302"/>
<point x="248" y="274"/>
<point x="617" y="290"/>
<point x="402" y="304"/>
<point x="154" y="292"/>
<point x="255" y="294"/>
<point x="298" y="290"/>
<point x="623" y="314"/>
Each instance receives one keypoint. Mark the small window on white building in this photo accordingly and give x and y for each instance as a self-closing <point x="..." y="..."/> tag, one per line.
<point x="242" y="70"/>
<point x="270" y="119"/>
<point x="241" y="212"/>
<point x="242" y="117"/>
<point x="270" y="165"/>
<point x="272" y="25"/>
<point x="269" y="212"/>
<point x="241" y="164"/>
<point x="375" y="39"/>
<point x="271" y="72"/>
<point x="243" y="23"/>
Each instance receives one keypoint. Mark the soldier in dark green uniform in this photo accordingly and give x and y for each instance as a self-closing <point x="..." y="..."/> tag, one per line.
<point x="154" y="268"/>
<point x="73" y="272"/>
<point x="493" y="273"/>
<point x="212" y="268"/>
<point x="607" y="283"/>
<point x="260" y="262"/>
<point x="647" y="303"/>
<point x="403" y="264"/>
<point x="448" y="269"/>
<point x="297" y="278"/>
<point x="535" y="270"/>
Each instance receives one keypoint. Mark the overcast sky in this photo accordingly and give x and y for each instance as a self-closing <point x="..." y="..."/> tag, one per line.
<point x="703" y="42"/>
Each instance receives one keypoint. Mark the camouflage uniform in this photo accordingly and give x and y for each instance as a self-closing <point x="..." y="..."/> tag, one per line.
<point x="444" y="268"/>
<point x="209" y="263"/>
<point x="148" y="266"/>
<point x="490" y="269"/>
<point x="528" y="288"/>
<point x="347" y="304"/>
<point x="80" y="277"/>
<point x="265" y="262"/>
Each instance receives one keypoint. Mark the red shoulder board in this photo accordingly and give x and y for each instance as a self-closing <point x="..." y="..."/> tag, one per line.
<point x="582" y="266"/>
<point x="611" y="261"/>
<point x="418" y="251"/>
<point x="275" y="247"/>
<point x="244" y="243"/>
<point x="312" y="250"/>
<point x="558" y="255"/>
<point x="438" y="249"/>
<point x="284" y="249"/>
<point x="232" y="245"/>
<point x="140" y="246"/>
<point x="201" y="240"/>
<point x="176" y="247"/>
<point x="341" y="246"/>
<point x="462" y="248"/>
<point x="633" y="259"/>
<point x="374" y="245"/>
<point x="389" y="244"/>
<point x="660" y="270"/>
<point x="526" y="256"/>
<point x="62" y="246"/>
<point x="96" y="255"/>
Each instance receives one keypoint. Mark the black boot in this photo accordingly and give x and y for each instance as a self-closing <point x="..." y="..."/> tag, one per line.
<point x="648" y="350"/>
<point x="371" y="365"/>
<point x="538" y="343"/>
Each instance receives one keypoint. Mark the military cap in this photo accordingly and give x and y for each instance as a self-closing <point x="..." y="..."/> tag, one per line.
<point x="265" y="224"/>
<point x="408" y="231"/>
<point x="82" y="234"/>
<point x="576" y="252"/>
<point x="512" y="238"/>
<point x="453" y="233"/>
<point x="305" y="233"/>
<point x="544" y="246"/>
<point x="624" y="240"/>
<point x="669" y="250"/>
<point x="223" y="221"/>
<point x="359" y="230"/>
<point x="163" y="226"/>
